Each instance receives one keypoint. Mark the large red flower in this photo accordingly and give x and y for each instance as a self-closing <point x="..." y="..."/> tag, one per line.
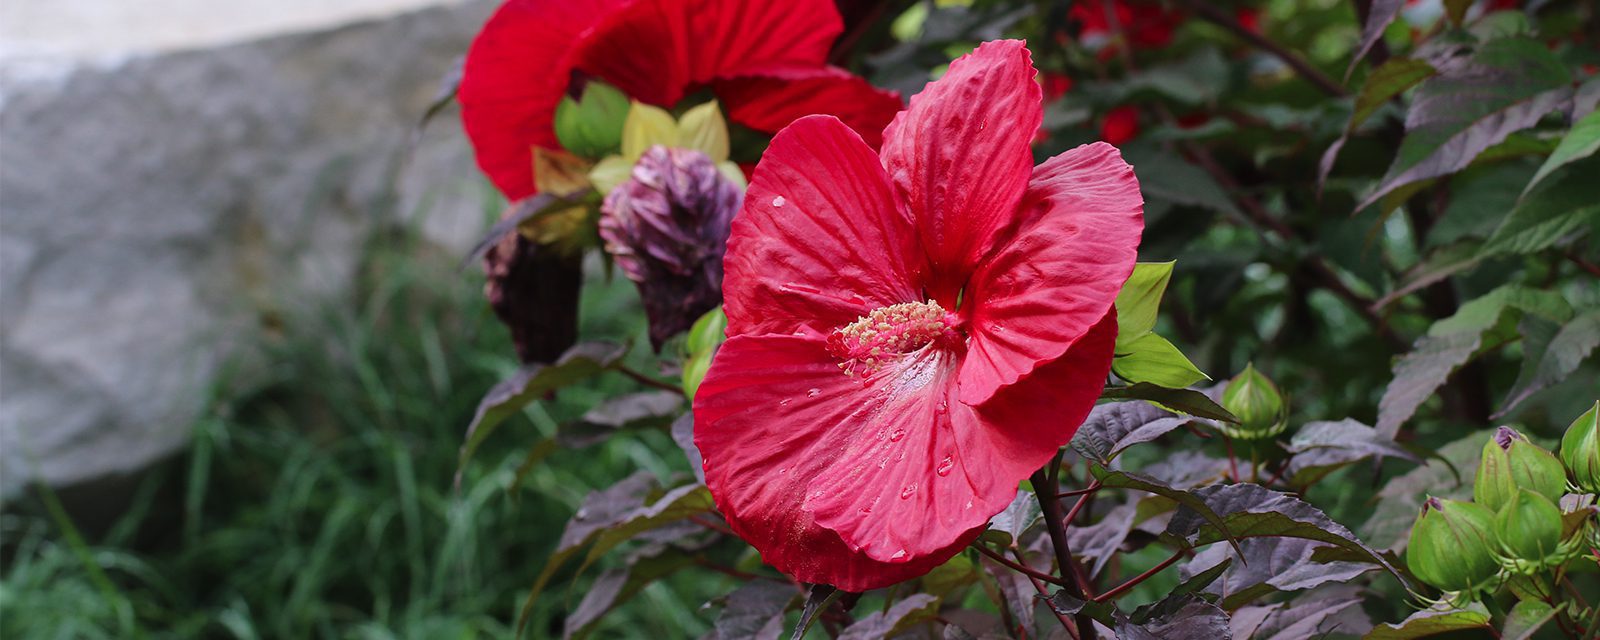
<point x="911" y="333"/>
<point x="764" y="60"/>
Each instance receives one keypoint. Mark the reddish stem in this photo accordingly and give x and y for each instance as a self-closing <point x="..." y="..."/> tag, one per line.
<point x="1018" y="567"/>
<point x="1134" y="581"/>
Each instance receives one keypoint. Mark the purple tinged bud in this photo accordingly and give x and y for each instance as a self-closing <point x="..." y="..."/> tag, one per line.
<point x="667" y="227"/>
<point x="533" y="289"/>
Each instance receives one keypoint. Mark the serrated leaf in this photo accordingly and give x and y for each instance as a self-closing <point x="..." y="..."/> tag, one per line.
<point x="1440" y="264"/>
<point x="1526" y="618"/>
<point x="599" y="510"/>
<point x="1251" y="511"/>
<point x="675" y="505"/>
<point x="1551" y="354"/>
<point x="530" y="383"/>
<point x="643" y="410"/>
<point x="899" y="618"/>
<point x="1379" y="14"/>
<point x="1191" y="500"/>
<point x="1484" y="312"/>
<point x="683" y="435"/>
<point x="1335" y="609"/>
<point x="1560" y="206"/>
<point x="1431" y="622"/>
<point x="1114" y="426"/>
<point x="647" y="126"/>
<point x="1320" y="448"/>
<point x="703" y="128"/>
<point x="1100" y="542"/>
<point x="1140" y="298"/>
<point x="1270" y="565"/>
<point x="754" y="611"/>
<point x="1183" y="617"/>
<point x="1387" y="81"/>
<point x="1473" y="103"/>
<point x="1579" y="143"/>
<point x="1153" y="359"/>
<point x="617" y="586"/>
<point x="1183" y="400"/>
<point x="1007" y="526"/>
<point x="817" y="599"/>
<point x="1167" y="177"/>
<point x="1395" y="506"/>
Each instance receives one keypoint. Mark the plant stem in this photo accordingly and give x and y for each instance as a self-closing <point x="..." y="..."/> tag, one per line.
<point x="1220" y="18"/>
<point x="1018" y="567"/>
<point x="649" y="381"/>
<point x="1045" y="489"/>
<point x="1134" y="581"/>
<point x="1093" y="487"/>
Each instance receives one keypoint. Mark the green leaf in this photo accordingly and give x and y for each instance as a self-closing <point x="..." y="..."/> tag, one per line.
<point x="1431" y="622"/>
<point x="1379" y="15"/>
<point x="1548" y="359"/>
<point x="1187" y="401"/>
<point x="1385" y="82"/>
<point x="617" y="586"/>
<point x="1555" y="209"/>
<point x="1151" y="358"/>
<point x="530" y="383"/>
<point x="1581" y="142"/>
<point x="1473" y="103"/>
<point x="1484" y="312"/>
<point x="1526" y="618"/>
<point x="915" y="609"/>
<point x="1140" y="298"/>
<point x="1167" y="177"/>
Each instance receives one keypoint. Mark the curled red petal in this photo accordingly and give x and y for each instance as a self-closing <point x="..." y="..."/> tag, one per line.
<point x="1059" y="273"/>
<point x="767" y="99"/>
<point x="515" y="73"/>
<point x="820" y="239"/>
<point x="769" y="418"/>
<point x="979" y="119"/>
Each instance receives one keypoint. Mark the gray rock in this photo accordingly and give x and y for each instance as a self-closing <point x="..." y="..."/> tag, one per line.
<point x="154" y="212"/>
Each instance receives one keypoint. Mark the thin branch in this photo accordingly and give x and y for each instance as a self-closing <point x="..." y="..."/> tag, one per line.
<point x="1093" y="487"/>
<point x="1591" y="267"/>
<point x="649" y="381"/>
<point x="1134" y="581"/>
<point x="719" y="528"/>
<point x="1018" y="567"/>
<point x="1216" y="16"/>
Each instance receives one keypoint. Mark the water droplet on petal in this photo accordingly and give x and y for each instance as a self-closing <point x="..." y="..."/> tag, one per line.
<point x="898" y="555"/>
<point x="969" y="504"/>
<point x="778" y="201"/>
<point x="897" y="435"/>
<point x="813" y="393"/>
<point x="945" y="466"/>
<point x="783" y="470"/>
<point x="906" y="492"/>
<point x="784" y="402"/>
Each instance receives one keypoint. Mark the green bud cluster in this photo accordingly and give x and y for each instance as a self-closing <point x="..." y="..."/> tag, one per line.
<point x="1510" y="463"/>
<point x="1258" y="404"/>
<point x="1451" y="545"/>
<point x="1580" y="451"/>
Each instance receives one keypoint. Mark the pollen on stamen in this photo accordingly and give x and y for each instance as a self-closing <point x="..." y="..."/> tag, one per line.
<point x="866" y="345"/>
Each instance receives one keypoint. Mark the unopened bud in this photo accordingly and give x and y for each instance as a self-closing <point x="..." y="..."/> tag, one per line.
<point x="1510" y="462"/>
<point x="533" y="289"/>
<point x="1451" y="545"/>
<point x="1258" y="404"/>
<point x="591" y="126"/>
<point x="1580" y="451"/>
<point x="667" y="227"/>
<point x="1528" y="533"/>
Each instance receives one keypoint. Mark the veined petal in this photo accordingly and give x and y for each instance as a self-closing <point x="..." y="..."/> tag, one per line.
<point x="768" y="98"/>
<point x="1059" y="272"/>
<point x="773" y="414"/>
<point x="655" y="50"/>
<point x="820" y="240"/>
<point x="515" y="73"/>
<point x="978" y="120"/>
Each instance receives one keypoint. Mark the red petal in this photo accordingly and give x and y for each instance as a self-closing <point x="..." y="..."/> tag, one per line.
<point x="515" y="73"/>
<point x="960" y="157"/>
<point x="769" y="99"/>
<point x="770" y="417"/>
<point x="1060" y="272"/>
<point x="657" y="49"/>
<point x="820" y="240"/>
<point x="793" y="450"/>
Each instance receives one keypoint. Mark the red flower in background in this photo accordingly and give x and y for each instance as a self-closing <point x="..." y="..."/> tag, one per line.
<point x="1120" y="125"/>
<point x="912" y="332"/>
<point x="1146" y="25"/>
<point x="764" y="60"/>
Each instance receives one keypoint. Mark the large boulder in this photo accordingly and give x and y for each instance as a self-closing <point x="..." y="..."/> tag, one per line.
<point x="156" y="213"/>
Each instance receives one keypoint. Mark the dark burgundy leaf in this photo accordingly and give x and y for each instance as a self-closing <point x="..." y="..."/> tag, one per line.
<point x="754" y="611"/>
<point x="909" y="612"/>
<point x="1113" y="427"/>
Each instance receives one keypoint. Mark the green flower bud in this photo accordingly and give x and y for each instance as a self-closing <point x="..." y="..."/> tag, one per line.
<point x="1451" y="545"/>
<point x="1510" y="462"/>
<point x="1528" y="533"/>
<point x="1257" y="403"/>
<point x="591" y="126"/>
<point x="1580" y="451"/>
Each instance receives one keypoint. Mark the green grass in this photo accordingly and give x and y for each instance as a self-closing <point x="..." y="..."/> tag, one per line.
<point x="317" y="501"/>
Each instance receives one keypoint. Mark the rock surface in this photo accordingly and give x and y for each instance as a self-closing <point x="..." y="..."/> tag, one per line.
<point x="156" y="212"/>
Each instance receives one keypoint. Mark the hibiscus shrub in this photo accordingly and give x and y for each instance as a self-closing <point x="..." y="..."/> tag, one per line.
<point x="1101" y="318"/>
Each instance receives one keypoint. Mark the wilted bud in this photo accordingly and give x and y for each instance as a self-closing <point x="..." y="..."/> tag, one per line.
<point x="533" y="289"/>
<point x="1451" y="545"/>
<point x="1510" y="462"/>
<point x="1580" y="451"/>
<point x="1528" y="533"/>
<point x="591" y="126"/>
<point x="704" y="337"/>
<point x="1257" y="403"/>
<point x="667" y="227"/>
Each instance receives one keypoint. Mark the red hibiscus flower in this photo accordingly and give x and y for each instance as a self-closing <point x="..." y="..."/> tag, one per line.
<point x="1120" y="125"/>
<point x="763" y="60"/>
<point x="1145" y="25"/>
<point x="911" y="333"/>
